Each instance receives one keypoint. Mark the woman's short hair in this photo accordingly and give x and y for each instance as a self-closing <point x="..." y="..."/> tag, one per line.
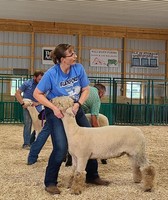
<point x="59" y="52"/>
<point x="100" y="87"/>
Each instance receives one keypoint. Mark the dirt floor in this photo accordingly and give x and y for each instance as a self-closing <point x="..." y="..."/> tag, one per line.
<point x="19" y="181"/>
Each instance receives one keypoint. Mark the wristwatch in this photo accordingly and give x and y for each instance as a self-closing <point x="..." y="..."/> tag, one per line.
<point x="78" y="103"/>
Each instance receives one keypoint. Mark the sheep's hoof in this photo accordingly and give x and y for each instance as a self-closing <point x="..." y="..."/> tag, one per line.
<point x="137" y="181"/>
<point x="148" y="188"/>
<point x="76" y="192"/>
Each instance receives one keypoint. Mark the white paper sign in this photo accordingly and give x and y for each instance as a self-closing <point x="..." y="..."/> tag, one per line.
<point x="103" y="58"/>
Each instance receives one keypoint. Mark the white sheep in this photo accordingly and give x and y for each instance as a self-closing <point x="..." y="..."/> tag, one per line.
<point x="102" y="119"/>
<point x="37" y="124"/>
<point x="106" y="142"/>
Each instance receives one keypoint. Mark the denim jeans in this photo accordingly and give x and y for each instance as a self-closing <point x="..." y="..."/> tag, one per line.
<point x="60" y="148"/>
<point x="27" y="127"/>
<point x="38" y="144"/>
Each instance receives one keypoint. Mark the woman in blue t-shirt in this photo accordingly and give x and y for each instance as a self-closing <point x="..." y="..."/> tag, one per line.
<point x="65" y="78"/>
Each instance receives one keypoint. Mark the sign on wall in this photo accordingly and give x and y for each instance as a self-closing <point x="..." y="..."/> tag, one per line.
<point x="103" y="58"/>
<point x="144" y="59"/>
<point x="46" y="60"/>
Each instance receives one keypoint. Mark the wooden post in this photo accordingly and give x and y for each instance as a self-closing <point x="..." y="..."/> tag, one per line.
<point x="123" y="85"/>
<point x="166" y="61"/>
<point x="79" y="48"/>
<point x="32" y="54"/>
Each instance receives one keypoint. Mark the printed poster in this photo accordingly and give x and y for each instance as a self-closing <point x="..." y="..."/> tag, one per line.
<point x="46" y="60"/>
<point x="145" y="59"/>
<point x="103" y="58"/>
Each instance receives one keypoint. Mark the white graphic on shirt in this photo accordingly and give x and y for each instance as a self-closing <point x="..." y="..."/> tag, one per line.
<point x="74" y="92"/>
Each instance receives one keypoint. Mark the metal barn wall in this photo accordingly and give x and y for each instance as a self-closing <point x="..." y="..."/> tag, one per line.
<point x="89" y="43"/>
<point x="157" y="46"/>
<point x="15" y="51"/>
<point x="50" y="40"/>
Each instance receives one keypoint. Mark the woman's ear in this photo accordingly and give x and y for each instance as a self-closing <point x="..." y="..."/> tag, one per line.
<point x="62" y="59"/>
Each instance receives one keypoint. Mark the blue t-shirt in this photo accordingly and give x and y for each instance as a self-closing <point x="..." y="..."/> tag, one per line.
<point x="56" y="83"/>
<point x="28" y="88"/>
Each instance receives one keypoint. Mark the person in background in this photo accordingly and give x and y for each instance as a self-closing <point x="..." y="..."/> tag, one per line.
<point x="27" y="88"/>
<point x="92" y="106"/>
<point x="65" y="78"/>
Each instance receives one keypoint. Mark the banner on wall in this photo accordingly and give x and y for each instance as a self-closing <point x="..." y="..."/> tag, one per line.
<point x="46" y="60"/>
<point x="144" y="59"/>
<point x="103" y="58"/>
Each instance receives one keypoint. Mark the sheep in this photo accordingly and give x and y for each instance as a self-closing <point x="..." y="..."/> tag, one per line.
<point x="102" y="119"/>
<point x="106" y="142"/>
<point x="37" y="125"/>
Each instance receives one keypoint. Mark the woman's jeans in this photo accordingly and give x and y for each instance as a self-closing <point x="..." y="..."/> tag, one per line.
<point x="27" y="127"/>
<point x="38" y="144"/>
<point x="60" y="147"/>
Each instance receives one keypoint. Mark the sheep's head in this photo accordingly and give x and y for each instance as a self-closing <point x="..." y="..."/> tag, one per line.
<point x="63" y="102"/>
<point x="69" y="112"/>
<point x="27" y="102"/>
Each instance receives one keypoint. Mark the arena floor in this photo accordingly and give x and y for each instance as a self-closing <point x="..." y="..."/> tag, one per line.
<point x="19" y="181"/>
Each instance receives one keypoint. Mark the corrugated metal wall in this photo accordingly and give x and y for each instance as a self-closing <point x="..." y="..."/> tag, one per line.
<point x="50" y="40"/>
<point x="16" y="47"/>
<point x="15" y="51"/>
<point x="101" y="43"/>
<point x="146" y="46"/>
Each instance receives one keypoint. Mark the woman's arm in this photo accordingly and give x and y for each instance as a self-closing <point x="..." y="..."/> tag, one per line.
<point x="40" y="97"/>
<point x="82" y="99"/>
<point x="84" y="94"/>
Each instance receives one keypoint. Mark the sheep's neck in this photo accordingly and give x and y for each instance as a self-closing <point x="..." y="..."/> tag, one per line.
<point x="70" y="125"/>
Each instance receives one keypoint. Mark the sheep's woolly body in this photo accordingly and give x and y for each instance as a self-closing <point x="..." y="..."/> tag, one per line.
<point x="107" y="142"/>
<point x="99" y="145"/>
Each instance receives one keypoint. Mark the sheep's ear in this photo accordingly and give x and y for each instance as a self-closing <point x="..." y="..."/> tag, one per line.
<point x="70" y="112"/>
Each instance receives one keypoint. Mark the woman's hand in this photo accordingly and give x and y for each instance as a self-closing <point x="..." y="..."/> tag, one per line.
<point x="75" y="108"/>
<point x="58" y="113"/>
<point x="35" y="103"/>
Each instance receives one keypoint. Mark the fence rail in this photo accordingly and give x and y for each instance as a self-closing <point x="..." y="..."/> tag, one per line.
<point x="11" y="112"/>
<point x="118" y="114"/>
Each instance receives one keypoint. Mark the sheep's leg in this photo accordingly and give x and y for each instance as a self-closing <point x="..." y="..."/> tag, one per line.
<point x="78" y="183"/>
<point x="137" y="175"/>
<point x="71" y="178"/>
<point x="148" y="175"/>
<point x="142" y="170"/>
<point x="74" y="164"/>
